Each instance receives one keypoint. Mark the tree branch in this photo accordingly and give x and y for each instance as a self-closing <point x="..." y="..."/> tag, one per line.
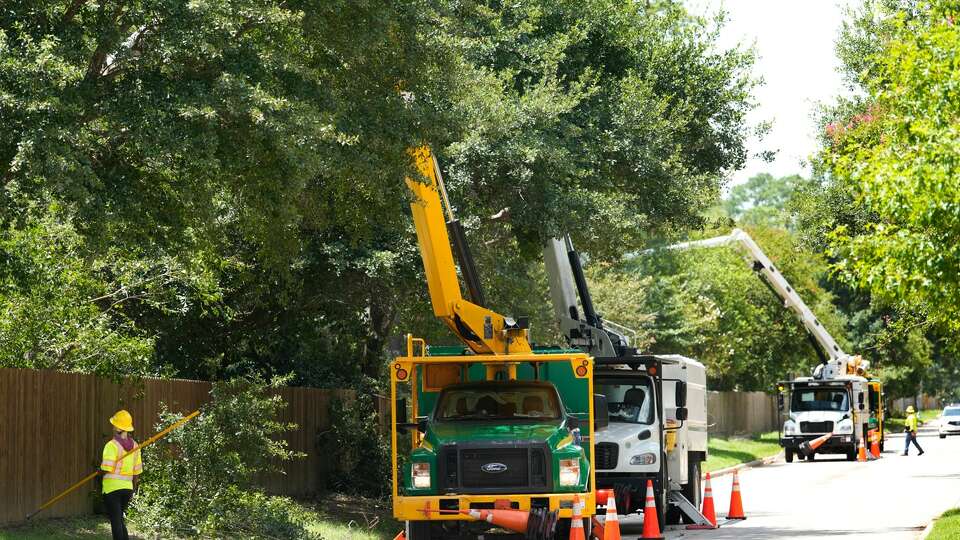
<point x="71" y="12"/>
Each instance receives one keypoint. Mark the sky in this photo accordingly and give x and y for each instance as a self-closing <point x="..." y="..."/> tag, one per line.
<point x="794" y="40"/>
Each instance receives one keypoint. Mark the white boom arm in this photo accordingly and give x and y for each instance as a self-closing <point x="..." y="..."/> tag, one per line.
<point x="585" y="331"/>
<point x="760" y="263"/>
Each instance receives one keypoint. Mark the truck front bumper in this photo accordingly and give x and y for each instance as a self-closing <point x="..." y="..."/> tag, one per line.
<point x="448" y="507"/>
<point x="838" y="444"/>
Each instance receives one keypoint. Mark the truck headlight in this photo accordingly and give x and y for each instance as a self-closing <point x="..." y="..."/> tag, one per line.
<point x="421" y="475"/>
<point x="844" y="426"/>
<point x="644" y="459"/>
<point x="790" y="428"/>
<point x="569" y="472"/>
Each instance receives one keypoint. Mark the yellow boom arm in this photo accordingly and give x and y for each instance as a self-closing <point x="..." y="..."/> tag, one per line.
<point x="484" y="331"/>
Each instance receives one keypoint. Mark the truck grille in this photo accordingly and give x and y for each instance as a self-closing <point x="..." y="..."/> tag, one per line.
<point x="607" y="454"/>
<point x="816" y="427"/>
<point x="523" y="469"/>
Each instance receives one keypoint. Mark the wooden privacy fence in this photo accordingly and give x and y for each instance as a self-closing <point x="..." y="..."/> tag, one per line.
<point x="741" y="413"/>
<point x="53" y="427"/>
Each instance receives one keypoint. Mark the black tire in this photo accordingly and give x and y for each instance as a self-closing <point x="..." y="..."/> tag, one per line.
<point x="563" y="528"/>
<point x="692" y="490"/>
<point x="812" y="456"/>
<point x="788" y="456"/>
<point x="420" y="530"/>
<point x="852" y="455"/>
<point x="942" y="436"/>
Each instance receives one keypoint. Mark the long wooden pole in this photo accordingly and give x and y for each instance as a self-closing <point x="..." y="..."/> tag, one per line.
<point x="93" y="475"/>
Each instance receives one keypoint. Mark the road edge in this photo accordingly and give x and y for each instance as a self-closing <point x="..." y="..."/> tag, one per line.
<point x="748" y="465"/>
<point x="929" y="528"/>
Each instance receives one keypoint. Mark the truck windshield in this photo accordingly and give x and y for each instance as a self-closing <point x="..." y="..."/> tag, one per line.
<point x="629" y="402"/>
<point x="819" y="399"/>
<point x="952" y="412"/>
<point x="499" y="402"/>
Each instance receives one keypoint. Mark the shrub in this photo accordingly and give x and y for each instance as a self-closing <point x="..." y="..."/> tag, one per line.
<point x="361" y="454"/>
<point x="199" y="481"/>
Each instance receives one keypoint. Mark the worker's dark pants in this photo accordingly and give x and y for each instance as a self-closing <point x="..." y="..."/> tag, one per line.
<point x="117" y="502"/>
<point x="911" y="436"/>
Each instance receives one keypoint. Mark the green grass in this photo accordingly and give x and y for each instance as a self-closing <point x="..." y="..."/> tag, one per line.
<point x="82" y="528"/>
<point x="335" y="517"/>
<point x="725" y="453"/>
<point x="947" y="527"/>
<point x="895" y="425"/>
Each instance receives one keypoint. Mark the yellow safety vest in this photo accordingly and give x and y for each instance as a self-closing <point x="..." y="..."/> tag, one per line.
<point x="119" y="473"/>
<point x="912" y="422"/>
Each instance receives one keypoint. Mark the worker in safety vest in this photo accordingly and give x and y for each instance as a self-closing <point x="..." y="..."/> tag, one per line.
<point x="121" y="465"/>
<point x="910" y="431"/>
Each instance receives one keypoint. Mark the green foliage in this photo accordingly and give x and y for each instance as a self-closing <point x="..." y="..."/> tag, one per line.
<point x="360" y="454"/>
<point x="764" y="200"/>
<point x="897" y="158"/>
<point x="200" y="479"/>
<point x="230" y="173"/>
<point x="59" y="311"/>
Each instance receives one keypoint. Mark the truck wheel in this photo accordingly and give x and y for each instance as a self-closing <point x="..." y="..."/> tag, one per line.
<point x="788" y="456"/>
<point x="812" y="457"/>
<point x="563" y="528"/>
<point x="852" y="455"/>
<point x="692" y="488"/>
<point x="420" y="530"/>
<point x="943" y="436"/>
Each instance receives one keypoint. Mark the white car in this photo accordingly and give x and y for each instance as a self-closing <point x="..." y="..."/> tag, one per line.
<point x="950" y="421"/>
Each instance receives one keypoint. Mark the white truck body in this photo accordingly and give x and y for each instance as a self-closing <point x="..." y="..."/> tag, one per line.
<point x="691" y="435"/>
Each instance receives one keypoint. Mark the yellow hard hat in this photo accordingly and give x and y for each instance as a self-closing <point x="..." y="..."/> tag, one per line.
<point x="910" y="409"/>
<point x="122" y="421"/>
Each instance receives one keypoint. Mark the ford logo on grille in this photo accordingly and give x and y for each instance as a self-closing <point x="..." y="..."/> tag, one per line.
<point x="493" y="468"/>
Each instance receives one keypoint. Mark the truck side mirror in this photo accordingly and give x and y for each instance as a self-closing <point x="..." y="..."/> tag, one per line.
<point x="780" y="402"/>
<point x="860" y="400"/>
<point x="572" y="422"/>
<point x="601" y="413"/>
<point x="682" y="413"/>
<point x="681" y="395"/>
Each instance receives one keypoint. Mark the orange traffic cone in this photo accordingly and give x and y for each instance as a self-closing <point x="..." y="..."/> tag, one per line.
<point x="651" y="523"/>
<point x="875" y="443"/>
<point x="401" y="536"/>
<point x="707" y="509"/>
<point x="809" y="447"/>
<point x="862" y="450"/>
<point x="736" y="503"/>
<point x="514" y="520"/>
<point x="576" y="522"/>
<point x="611" y="527"/>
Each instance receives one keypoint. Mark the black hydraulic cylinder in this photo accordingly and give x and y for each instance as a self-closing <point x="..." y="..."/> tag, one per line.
<point x="467" y="266"/>
<point x="588" y="311"/>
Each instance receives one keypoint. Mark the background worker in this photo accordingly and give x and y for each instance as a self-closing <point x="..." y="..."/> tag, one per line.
<point x="910" y="431"/>
<point x="121" y="465"/>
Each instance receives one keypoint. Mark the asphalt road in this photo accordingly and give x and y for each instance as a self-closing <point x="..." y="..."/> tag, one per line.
<point x="892" y="498"/>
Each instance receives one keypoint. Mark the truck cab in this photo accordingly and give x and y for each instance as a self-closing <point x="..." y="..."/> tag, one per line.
<point x="848" y="407"/>
<point x="657" y="430"/>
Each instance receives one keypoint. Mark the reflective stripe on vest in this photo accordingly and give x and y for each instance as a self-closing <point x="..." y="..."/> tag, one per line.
<point x="114" y="476"/>
<point x="117" y="465"/>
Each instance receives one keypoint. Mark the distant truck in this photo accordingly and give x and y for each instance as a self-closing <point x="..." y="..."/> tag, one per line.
<point x="657" y="404"/>
<point x="847" y="406"/>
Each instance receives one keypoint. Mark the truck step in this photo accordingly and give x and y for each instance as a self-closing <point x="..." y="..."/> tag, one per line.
<point x="688" y="509"/>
